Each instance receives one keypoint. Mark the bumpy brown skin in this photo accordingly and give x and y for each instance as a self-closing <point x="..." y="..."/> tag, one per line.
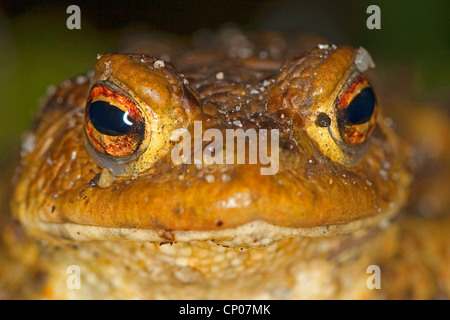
<point x="209" y="231"/>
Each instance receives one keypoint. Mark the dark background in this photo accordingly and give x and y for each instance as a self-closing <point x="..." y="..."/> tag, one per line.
<point x="37" y="50"/>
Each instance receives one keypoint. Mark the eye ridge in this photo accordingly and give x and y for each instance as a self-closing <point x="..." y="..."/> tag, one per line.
<point x="109" y="119"/>
<point x="361" y="108"/>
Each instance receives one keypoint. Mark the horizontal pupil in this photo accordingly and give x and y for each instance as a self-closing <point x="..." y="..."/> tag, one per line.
<point x="109" y="119"/>
<point x="361" y="108"/>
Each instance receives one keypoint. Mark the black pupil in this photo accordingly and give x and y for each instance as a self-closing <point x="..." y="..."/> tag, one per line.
<point x="361" y="108"/>
<point x="109" y="119"/>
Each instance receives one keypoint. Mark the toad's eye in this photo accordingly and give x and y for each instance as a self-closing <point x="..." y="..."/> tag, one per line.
<point x="114" y="125"/>
<point x="356" y="113"/>
<point x="110" y="120"/>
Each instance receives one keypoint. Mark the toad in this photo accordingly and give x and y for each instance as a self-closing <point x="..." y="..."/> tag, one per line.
<point x="101" y="209"/>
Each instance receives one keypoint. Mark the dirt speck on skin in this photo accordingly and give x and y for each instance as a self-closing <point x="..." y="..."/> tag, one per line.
<point x="106" y="179"/>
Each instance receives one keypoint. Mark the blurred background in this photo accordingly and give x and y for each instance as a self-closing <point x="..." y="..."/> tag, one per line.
<point x="411" y="49"/>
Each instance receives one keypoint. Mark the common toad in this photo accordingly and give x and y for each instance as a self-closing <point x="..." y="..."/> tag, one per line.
<point x="99" y="196"/>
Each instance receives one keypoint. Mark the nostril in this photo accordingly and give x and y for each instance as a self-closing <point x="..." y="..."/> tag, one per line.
<point x="323" y="120"/>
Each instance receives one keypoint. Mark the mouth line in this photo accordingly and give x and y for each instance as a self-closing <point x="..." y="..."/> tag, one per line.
<point x="257" y="233"/>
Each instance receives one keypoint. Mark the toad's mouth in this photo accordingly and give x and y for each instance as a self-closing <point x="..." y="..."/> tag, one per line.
<point x="256" y="233"/>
